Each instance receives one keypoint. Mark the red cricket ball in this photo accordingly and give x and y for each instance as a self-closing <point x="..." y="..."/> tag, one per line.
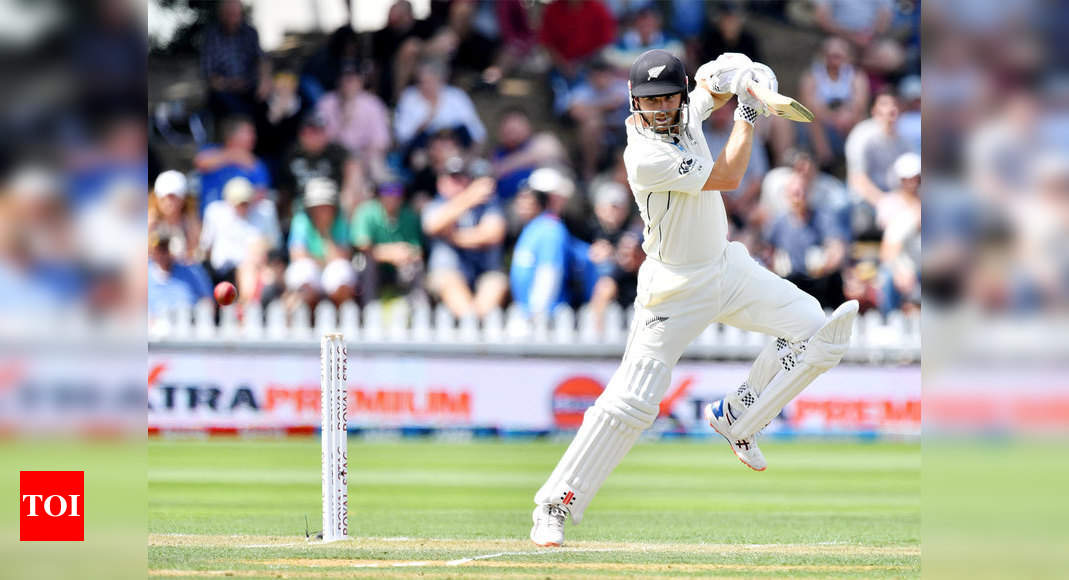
<point x="225" y="293"/>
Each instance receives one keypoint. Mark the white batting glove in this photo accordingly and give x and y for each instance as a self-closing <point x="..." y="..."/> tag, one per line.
<point x="722" y="73"/>
<point x="762" y="75"/>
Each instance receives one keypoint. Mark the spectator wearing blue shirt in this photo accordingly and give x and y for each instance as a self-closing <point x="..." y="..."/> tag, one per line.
<point x="466" y="231"/>
<point x="549" y="266"/>
<point x="809" y="246"/>
<point x="218" y="165"/>
<point x="172" y="284"/>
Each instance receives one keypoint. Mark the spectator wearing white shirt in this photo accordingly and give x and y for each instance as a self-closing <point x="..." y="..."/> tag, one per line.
<point x="431" y="106"/>
<point x="234" y="227"/>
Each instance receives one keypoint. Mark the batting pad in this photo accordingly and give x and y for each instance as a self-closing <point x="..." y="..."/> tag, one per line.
<point x="610" y="427"/>
<point x="821" y="353"/>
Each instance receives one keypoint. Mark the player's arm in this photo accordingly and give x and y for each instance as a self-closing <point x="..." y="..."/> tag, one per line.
<point x="731" y="164"/>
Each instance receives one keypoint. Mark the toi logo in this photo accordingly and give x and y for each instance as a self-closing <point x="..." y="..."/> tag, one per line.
<point x="51" y="506"/>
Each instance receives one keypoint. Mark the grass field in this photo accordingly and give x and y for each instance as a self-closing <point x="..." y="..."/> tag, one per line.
<point x="422" y="508"/>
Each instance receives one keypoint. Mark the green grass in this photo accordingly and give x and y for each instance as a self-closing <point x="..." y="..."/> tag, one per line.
<point x="685" y="508"/>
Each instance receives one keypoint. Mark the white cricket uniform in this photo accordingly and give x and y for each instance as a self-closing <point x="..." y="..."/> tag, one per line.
<point x="693" y="276"/>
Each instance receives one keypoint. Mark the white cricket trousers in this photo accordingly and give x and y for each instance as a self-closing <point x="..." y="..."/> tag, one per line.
<point x="674" y="305"/>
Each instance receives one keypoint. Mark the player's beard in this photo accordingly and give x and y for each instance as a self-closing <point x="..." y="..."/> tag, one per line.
<point x="661" y="122"/>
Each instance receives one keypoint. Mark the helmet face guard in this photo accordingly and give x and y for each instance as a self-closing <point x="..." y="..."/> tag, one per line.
<point x="656" y="131"/>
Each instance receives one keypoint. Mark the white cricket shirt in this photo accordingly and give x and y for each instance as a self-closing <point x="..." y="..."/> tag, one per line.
<point x="684" y="225"/>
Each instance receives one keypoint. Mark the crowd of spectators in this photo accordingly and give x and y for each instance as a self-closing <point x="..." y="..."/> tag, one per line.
<point x="369" y="171"/>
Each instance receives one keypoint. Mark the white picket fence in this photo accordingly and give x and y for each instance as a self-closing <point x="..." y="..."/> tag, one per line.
<point x="422" y="329"/>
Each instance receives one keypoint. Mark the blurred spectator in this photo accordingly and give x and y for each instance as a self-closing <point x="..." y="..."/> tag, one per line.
<point x="468" y="48"/>
<point x="645" y="33"/>
<point x="909" y="120"/>
<point x="233" y="225"/>
<point x="998" y="158"/>
<point x="519" y="150"/>
<point x="620" y="283"/>
<point x="441" y="147"/>
<point x="397" y="48"/>
<point x="899" y="216"/>
<point x="171" y="215"/>
<point x="545" y="270"/>
<point x="231" y="62"/>
<point x="516" y="36"/>
<point x="304" y="283"/>
<point x="118" y="159"/>
<point x="687" y="19"/>
<point x="319" y="245"/>
<point x="218" y="165"/>
<point x="821" y="189"/>
<point x="809" y="247"/>
<point x="278" y="119"/>
<point x="314" y="156"/>
<point x="599" y="105"/>
<point x="321" y="71"/>
<point x="430" y="106"/>
<point x="1041" y="222"/>
<point x="838" y="95"/>
<point x="740" y="202"/>
<point x="172" y="283"/>
<point x="357" y="120"/>
<point x="569" y="51"/>
<point x="865" y="25"/>
<point x="38" y="269"/>
<point x="388" y="232"/>
<point x="612" y="207"/>
<point x="466" y="228"/>
<point x="871" y="150"/>
<point x="319" y="231"/>
<point x="728" y="33"/>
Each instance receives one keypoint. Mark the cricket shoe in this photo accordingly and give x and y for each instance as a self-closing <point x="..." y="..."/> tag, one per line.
<point x="720" y="416"/>
<point x="548" y="529"/>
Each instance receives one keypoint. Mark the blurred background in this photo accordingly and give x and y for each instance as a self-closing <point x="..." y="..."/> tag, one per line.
<point x="370" y="167"/>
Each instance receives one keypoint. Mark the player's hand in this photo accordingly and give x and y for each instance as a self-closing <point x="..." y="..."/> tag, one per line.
<point x="762" y="75"/>
<point x="721" y="75"/>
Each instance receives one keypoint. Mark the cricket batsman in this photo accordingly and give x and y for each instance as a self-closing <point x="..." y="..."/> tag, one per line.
<point x="692" y="277"/>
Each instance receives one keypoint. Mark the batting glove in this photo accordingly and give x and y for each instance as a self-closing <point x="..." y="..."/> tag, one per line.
<point x="723" y="73"/>
<point x="759" y="74"/>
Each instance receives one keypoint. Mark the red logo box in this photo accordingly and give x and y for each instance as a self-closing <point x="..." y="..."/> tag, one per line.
<point x="52" y="506"/>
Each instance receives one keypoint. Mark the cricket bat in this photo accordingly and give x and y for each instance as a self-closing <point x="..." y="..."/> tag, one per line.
<point x="780" y="105"/>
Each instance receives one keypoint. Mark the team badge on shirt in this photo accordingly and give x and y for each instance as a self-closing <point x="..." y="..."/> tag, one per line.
<point x="686" y="165"/>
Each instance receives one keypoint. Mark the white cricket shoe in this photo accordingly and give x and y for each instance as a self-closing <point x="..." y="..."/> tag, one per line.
<point x="719" y="417"/>
<point x="548" y="529"/>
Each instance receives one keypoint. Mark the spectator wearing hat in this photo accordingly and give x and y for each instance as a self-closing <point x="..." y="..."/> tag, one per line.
<point x="217" y="165"/>
<point x="234" y="225"/>
<point x="388" y="232"/>
<point x="549" y="266"/>
<point x="599" y="106"/>
<point x="314" y="156"/>
<point x="171" y="283"/>
<point x="357" y="120"/>
<point x="899" y="217"/>
<point x="466" y="231"/>
<point x="319" y="234"/>
<point x="171" y="214"/>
